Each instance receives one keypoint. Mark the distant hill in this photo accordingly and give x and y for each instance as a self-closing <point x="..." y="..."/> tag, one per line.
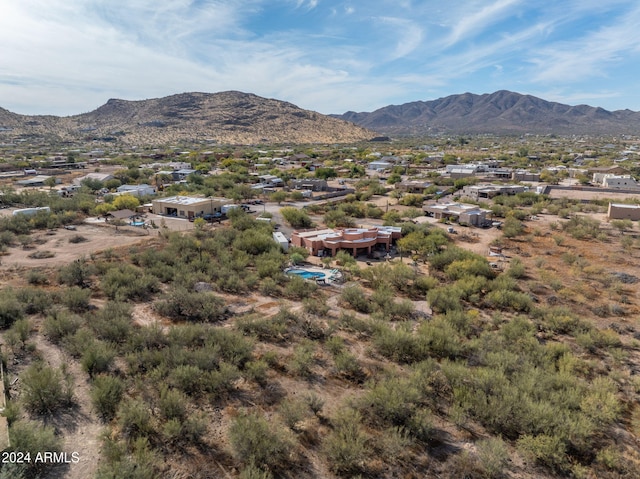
<point x="502" y="112"/>
<point x="228" y="117"/>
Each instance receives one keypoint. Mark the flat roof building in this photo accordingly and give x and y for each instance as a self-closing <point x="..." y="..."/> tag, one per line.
<point x="622" y="211"/>
<point x="468" y="214"/>
<point x="188" y="206"/>
<point x="327" y="242"/>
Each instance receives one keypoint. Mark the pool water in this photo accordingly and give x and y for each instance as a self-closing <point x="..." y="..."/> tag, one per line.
<point x="307" y="274"/>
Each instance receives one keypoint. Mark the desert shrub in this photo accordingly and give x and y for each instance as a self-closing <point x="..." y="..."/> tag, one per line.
<point x="400" y="345"/>
<point x="77" y="239"/>
<point x="316" y="306"/>
<point x="125" y="282"/>
<point x="37" y="278"/>
<point x="180" y="304"/>
<point x="255" y="440"/>
<point x="265" y="329"/>
<point x="502" y="299"/>
<point x="391" y="401"/>
<point x="252" y="471"/>
<point x="355" y="297"/>
<point x="106" y="393"/>
<point x="256" y="371"/>
<point x="469" y="267"/>
<point x="221" y="381"/>
<point x="444" y="258"/>
<point x="33" y="438"/>
<point x="269" y="287"/>
<point x="445" y="298"/>
<point x="77" y="273"/>
<point x="45" y="389"/>
<point x="134" y="418"/>
<point x="18" y="333"/>
<point x="349" y="322"/>
<point x="493" y="456"/>
<point x="346" y="447"/>
<point x="113" y="322"/>
<point x="138" y="461"/>
<point x="303" y="359"/>
<point x="293" y="411"/>
<point x="35" y="300"/>
<point x="298" y="288"/>
<point x="187" y="378"/>
<point x="440" y="338"/>
<point x="550" y="451"/>
<point x="296" y="218"/>
<point x="347" y="365"/>
<point x="76" y="343"/>
<point x="172" y="403"/>
<point x="423" y="284"/>
<point x="43" y="254"/>
<point x="10" y="308"/>
<point x="76" y="299"/>
<point x="97" y="358"/>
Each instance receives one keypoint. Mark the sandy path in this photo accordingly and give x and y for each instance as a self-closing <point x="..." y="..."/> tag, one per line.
<point x="80" y="427"/>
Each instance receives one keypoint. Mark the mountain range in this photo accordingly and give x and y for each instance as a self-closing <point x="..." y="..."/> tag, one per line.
<point x="242" y="118"/>
<point x="227" y="117"/>
<point x="502" y="112"/>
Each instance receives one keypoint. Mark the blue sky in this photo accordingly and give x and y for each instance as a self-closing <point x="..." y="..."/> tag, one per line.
<point x="65" y="57"/>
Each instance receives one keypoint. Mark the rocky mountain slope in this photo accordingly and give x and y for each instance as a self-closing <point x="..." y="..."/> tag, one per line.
<point x="227" y="117"/>
<point x="500" y="112"/>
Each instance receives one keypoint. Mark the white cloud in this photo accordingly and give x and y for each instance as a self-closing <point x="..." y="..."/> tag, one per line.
<point x="405" y="34"/>
<point x="477" y="21"/>
<point x="590" y="54"/>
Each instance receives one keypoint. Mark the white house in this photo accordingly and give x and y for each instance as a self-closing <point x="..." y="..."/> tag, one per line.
<point x="137" y="190"/>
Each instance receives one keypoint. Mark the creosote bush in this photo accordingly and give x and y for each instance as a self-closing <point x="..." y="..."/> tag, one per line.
<point x="45" y="389"/>
<point x="255" y="440"/>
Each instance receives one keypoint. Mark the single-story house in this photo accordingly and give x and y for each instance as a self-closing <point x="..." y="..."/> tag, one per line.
<point x="137" y="190"/>
<point x="327" y="242"/>
<point x="188" y="206"/>
<point x="469" y="214"/>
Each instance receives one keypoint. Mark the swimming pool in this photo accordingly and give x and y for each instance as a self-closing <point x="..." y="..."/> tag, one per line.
<point x="307" y="274"/>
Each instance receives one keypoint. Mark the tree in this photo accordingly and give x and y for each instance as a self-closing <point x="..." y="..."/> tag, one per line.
<point x="128" y="202"/>
<point x="296" y="218"/>
<point x="325" y="173"/>
<point x="278" y="196"/>
<point x="51" y="182"/>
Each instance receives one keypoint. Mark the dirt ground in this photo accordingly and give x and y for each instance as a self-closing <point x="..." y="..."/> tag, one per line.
<point x="57" y="242"/>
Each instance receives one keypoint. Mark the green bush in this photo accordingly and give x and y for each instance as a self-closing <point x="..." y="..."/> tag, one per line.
<point x="493" y="456"/>
<point x="346" y="447"/>
<point x="134" y="418"/>
<point x="76" y="299"/>
<point x="35" y="300"/>
<point x="125" y="282"/>
<point x="97" y="358"/>
<point x="391" y="401"/>
<point x="182" y="305"/>
<point x="30" y="437"/>
<point x="550" y="451"/>
<point x="293" y="411"/>
<point x="172" y="403"/>
<point x="113" y="322"/>
<point x="77" y="273"/>
<point x="355" y="297"/>
<point x="60" y="324"/>
<point x="10" y="309"/>
<point x="255" y="440"/>
<point x="106" y="393"/>
<point x="45" y="389"/>
<point x="303" y="359"/>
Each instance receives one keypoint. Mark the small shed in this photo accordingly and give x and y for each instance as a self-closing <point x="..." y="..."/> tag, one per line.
<point x="281" y="240"/>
